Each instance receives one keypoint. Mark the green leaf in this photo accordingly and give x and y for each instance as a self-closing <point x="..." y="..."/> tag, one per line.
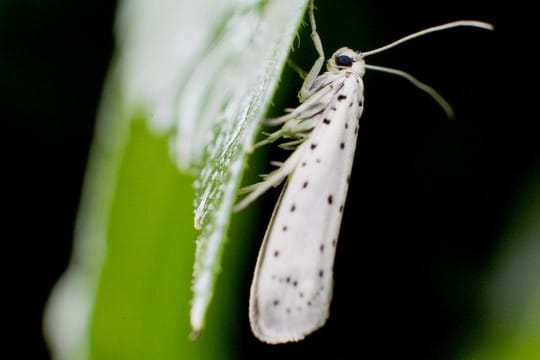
<point x="240" y="83"/>
<point x="188" y="88"/>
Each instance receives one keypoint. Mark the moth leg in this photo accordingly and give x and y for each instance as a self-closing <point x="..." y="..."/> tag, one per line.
<point x="305" y="91"/>
<point x="270" y="180"/>
<point x="297" y="69"/>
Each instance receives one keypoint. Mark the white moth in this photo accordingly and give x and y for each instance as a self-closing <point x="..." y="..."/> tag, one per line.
<point x="292" y="284"/>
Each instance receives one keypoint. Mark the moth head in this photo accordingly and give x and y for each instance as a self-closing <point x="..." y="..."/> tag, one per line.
<point x="346" y="59"/>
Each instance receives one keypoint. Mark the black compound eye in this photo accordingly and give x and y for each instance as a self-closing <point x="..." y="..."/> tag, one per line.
<point x="344" y="60"/>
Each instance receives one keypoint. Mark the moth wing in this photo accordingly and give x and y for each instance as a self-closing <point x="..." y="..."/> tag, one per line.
<point x="292" y="286"/>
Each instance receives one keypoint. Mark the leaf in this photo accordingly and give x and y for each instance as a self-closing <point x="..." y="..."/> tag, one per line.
<point x="241" y="82"/>
<point x="194" y="77"/>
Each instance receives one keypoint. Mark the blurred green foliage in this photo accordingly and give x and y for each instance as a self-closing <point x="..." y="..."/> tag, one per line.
<point x="142" y="302"/>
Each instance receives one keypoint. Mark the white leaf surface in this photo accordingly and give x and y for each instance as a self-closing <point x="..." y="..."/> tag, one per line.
<point x="238" y="91"/>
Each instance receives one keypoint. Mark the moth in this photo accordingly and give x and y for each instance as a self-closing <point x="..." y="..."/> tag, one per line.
<point x="292" y="284"/>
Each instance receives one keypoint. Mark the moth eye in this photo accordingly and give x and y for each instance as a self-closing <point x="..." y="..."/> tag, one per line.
<point x="344" y="60"/>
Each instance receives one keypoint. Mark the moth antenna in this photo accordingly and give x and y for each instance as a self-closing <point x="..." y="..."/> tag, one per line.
<point x="422" y="86"/>
<point x="450" y="25"/>
<point x="419" y="84"/>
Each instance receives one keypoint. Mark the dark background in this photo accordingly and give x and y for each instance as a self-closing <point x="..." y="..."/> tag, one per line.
<point x="429" y="199"/>
<point x="53" y="58"/>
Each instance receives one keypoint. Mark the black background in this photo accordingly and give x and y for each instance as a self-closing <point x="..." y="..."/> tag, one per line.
<point x="53" y="59"/>
<point x="429" y="199"/>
